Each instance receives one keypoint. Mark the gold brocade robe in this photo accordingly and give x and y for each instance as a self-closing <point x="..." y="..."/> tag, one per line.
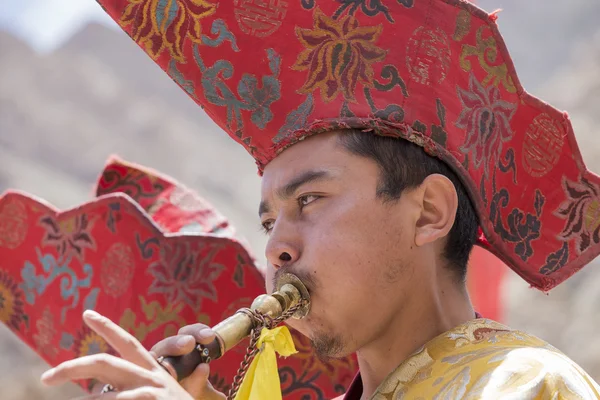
<point x="483" y="359"/>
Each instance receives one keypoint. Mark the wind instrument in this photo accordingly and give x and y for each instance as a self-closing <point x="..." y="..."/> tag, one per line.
<point x="291" y="296"/>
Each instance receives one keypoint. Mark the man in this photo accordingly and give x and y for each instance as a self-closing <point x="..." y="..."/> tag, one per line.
<point x="350" y="95"/>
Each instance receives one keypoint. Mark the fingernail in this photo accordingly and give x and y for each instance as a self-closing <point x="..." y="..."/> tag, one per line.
<point x="48" y="374"/>
<point x="92" y="314"/>
<point x="205" y="334"/>
<point x="184" y="341"/>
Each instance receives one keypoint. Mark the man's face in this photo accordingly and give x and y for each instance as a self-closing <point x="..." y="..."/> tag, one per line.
<point x="353" y="250"/>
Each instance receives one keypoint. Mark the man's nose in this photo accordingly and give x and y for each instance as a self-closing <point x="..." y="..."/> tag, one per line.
<point x="283" y="247"/>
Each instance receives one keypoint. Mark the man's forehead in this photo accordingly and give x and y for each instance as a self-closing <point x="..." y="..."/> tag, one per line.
<point x="309" y="152"/>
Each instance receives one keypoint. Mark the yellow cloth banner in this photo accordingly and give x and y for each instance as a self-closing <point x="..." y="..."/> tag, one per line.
<point x="262" y="378"/>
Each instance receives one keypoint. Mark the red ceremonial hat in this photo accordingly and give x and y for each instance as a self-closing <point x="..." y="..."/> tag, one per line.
<point x="147" y="253"/>
<point x="434" y="72"/>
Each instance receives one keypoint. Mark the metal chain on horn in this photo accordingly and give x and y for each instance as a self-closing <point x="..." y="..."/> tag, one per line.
<point x="260" y="321"/>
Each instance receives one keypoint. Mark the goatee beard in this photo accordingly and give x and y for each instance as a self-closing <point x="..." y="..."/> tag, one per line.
<point x="327" y="346"/>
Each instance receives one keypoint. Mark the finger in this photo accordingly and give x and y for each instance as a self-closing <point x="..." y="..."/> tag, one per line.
<point x="125" y="344"/>
<point x="174" y="346"/>
<point x="202" y="333"/>
<point x="120" y="373"/>
<point x="197" y="384"/>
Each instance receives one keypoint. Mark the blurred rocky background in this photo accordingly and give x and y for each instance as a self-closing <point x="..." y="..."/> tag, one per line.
<point x="68" y="102"/>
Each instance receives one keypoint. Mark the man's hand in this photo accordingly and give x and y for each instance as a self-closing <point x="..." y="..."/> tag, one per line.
<point x="183" y="343"/>
<point x="137" y="375"/>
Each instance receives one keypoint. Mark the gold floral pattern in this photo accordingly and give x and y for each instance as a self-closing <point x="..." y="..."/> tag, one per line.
<point x="486" y="51"/>
<point x="416" y="369"/>
<point x="582" y="212"/>
<point x="338" y="54"/>
<point x="482" y="359"/>
<point x="11" y="302"/>
<point x="89" y="342"/>
<point x="156" y="316"/>
<point x="165" y="24"/>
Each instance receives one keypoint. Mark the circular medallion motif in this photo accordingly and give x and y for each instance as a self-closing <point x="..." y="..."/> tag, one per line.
<point x="260" y="17"/>
<point x="117" y="269"/>
<point x="542" y="146"/>
<point x="13" y="224"/>
<point x="46" y="331"/>
<point x="428" y="56"/>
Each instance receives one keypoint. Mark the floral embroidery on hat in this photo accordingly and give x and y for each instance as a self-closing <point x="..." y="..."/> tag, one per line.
<point x="186" y="273"/>
<point x="338" y="55"/>
<point x="11" y="301"/>
<point x="486" y="119"/>
<point x="70" y="236"/>
<point x="486" y="51"/>
<point x="556" y="260"/>
<point x="582" y="212"/>
<point x="160" y="25"/>
<point x="521" y="227"/>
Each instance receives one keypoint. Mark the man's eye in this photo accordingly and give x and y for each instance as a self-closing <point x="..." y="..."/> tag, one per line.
<point x="307" y="199"/>
<point x="267" y="226"/>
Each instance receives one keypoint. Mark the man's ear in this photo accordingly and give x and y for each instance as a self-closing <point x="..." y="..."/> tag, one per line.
<point x="439" y="202"/>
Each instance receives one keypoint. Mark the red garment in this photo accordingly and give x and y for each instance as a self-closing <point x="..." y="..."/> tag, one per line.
<point x="354" y="391"/>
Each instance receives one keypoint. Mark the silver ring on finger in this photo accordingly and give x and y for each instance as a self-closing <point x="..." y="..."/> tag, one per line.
<point x="167" y="367"/>
<point x="108" y="388"/>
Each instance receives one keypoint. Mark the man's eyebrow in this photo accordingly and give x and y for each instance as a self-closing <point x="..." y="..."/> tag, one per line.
<point x="263" y="207"/>
<point x="290" y="188"/>
<point x="306" y="177"/>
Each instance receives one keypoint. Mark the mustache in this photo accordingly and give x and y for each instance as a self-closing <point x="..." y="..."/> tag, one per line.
<point x="305" y="276"/>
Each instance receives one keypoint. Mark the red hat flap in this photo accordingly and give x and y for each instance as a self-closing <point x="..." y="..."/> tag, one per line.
<point x="153" y="264"/>
<point x="434" y="72"/>
<point x="172" y="206"/>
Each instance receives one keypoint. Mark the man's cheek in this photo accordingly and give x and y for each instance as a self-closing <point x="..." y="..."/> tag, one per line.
<point x="304" y="326"/>
<point x="294" y="324"/>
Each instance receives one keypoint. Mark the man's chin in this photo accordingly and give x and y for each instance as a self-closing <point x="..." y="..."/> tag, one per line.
<point x="327" y="346"/>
